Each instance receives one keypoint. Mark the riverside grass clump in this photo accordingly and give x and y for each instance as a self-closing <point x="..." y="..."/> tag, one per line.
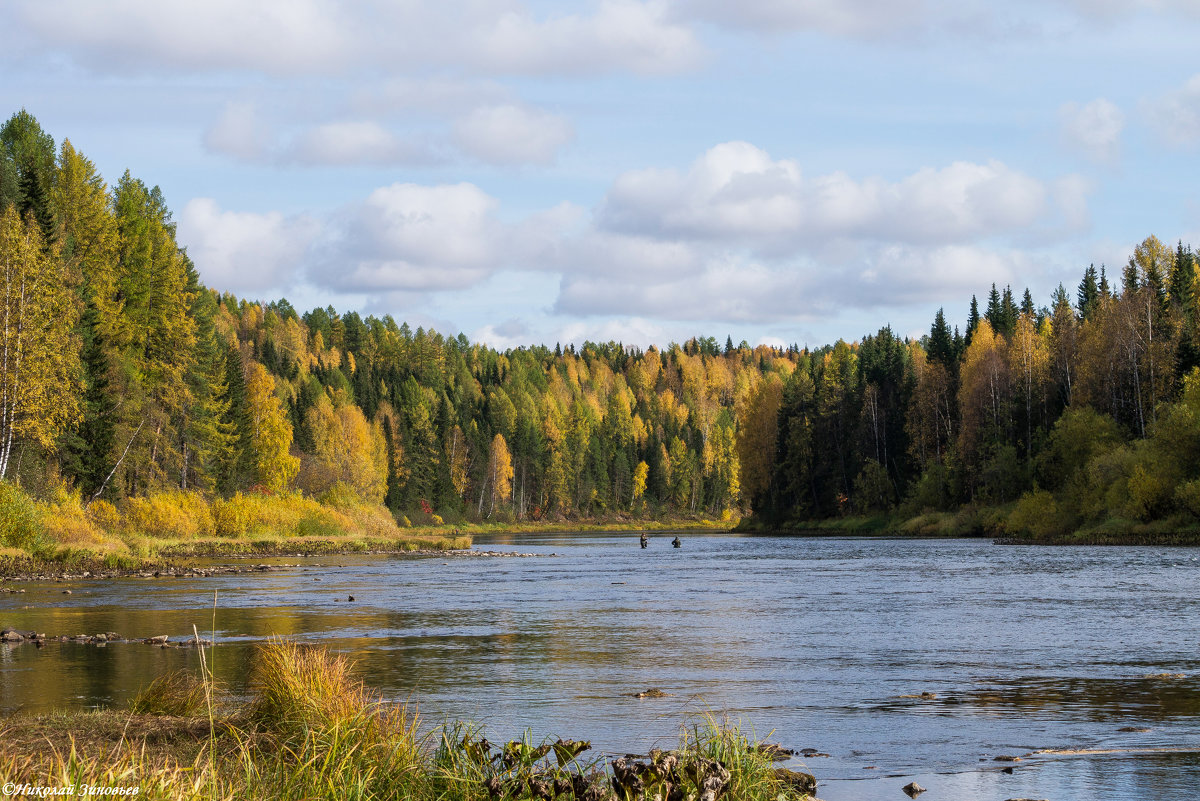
<point x="312" y="730"/>
<point x="180" y="693"/>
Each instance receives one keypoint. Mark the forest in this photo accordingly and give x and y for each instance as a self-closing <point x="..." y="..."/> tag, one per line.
<point x="131" y="396"/>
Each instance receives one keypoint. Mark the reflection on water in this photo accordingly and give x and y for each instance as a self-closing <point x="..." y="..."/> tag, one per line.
<point x="822" y="643"/>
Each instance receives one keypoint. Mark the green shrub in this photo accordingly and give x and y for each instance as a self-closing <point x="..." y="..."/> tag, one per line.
<point x="1187" y="497"/>
<point x="20" y="520"/>
<point x="1038" y="514"/>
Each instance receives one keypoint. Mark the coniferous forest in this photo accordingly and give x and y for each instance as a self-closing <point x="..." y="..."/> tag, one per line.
<point x="129" y="392"/>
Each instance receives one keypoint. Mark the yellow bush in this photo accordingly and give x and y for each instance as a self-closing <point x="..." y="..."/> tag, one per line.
<point x="245" y="516"/>
<point x="68" y="525"/>
<point x="170" y="515"/>
<point x="105" y="516"/>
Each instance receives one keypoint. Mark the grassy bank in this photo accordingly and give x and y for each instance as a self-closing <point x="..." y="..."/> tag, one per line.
<point x="311" y="730"/>
<point x="1011" y="523"/>
<point x="968" y="521"/>
<point x="40" y="535"/>
<point x="148" y="530"/>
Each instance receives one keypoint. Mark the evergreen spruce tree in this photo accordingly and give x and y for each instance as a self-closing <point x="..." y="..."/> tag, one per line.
<point x="941" y="345"/>
<point x="87" y="450"/>
<point x="1088" y="293"/>
<point x="236" y="471"/>
<point x="972" y="320"/>
<point x="994" y="313"/>
<point x="1182" y="280"/>
<point x="1130" y="278"/>
<point x="1008" y="314"/>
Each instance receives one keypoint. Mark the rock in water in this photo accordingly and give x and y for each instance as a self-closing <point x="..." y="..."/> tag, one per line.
<point x="912" y="789"/>
<point x="805" y="783"/>
<point x="774" y="751"/>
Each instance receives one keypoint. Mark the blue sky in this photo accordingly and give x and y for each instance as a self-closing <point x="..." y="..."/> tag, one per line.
<point x="643" y="171"/>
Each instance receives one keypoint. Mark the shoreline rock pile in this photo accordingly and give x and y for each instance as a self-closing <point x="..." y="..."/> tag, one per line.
<point x="38" y="639"/>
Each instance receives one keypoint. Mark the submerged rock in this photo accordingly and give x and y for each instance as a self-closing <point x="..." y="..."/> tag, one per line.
<point x="912" y="789"/>
<point x="774" y="751"/>
<point x="653" y="692"/>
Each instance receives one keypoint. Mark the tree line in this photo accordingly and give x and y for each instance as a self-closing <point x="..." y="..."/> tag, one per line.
<point x="1085" y="410"/>
<point x="122" y="375"/>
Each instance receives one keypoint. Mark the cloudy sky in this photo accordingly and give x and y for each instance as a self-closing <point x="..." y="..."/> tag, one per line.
<point x="523" y="171"/>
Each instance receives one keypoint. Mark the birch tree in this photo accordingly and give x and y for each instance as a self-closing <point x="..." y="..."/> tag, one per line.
<point x="40" y="382"/>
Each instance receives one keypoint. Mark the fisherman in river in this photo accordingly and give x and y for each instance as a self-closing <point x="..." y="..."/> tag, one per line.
<point x="676" y="543"/>
<point x="645" y="540"/>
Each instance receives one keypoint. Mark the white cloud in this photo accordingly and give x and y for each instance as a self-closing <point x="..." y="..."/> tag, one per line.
<point x="512" y="333"/>
<point x="738" y="238"/>
<point x="1176" y="115"/>
<point x="869" y="18"/>
<point x="512" y="134"/>
<point x="1094" y="128"/>
<point x="412" y="238"/>
<point x="1107" y="9"/>
<point x="357" y="142"/>
<point x="325" y="37"/>
<point x="920" y="20"/>
<point x="630" y="35"/>
<point x="274" y="36"/>
<point x="240" y="132"/>
<point x="428" y="93"/>
<point x="731" y="287"/>
<point x="243" y="252"/>
<point x="638" y="331"/>
<point x="736" y="192"/>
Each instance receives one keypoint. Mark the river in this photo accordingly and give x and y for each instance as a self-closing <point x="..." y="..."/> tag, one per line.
<point x="814" y="643"/>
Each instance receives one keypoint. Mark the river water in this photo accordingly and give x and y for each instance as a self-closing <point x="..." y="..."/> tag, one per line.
<point x="813" y="643"/>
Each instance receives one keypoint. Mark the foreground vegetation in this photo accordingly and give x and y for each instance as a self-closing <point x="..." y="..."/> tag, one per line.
<point x="312" y="731"/>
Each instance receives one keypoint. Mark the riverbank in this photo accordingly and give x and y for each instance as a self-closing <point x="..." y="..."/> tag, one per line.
<point x="999" y="523"/>
<point x="312" y="730"/>
<point x="970" y="521"/>
<point x="164" y="530"/>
